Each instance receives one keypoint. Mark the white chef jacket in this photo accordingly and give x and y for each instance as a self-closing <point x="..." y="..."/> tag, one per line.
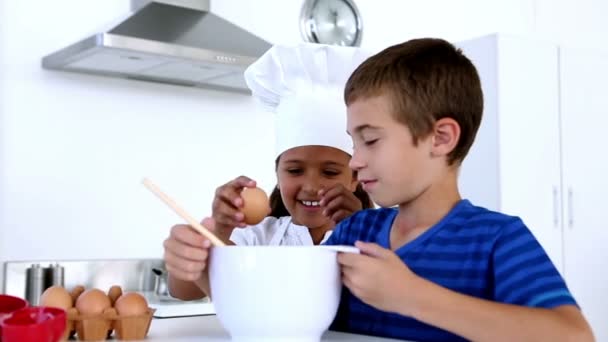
<point x="274" y="231"/>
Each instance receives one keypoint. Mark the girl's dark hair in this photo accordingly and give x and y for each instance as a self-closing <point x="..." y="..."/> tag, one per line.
<point x="277" y="207"/>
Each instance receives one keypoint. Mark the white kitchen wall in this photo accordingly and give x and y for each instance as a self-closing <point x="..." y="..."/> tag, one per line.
<point x="571" y="23"/>
<point x="2" y="161"/>
<point x="579" y="24"/>
<point x="73" y="148"/>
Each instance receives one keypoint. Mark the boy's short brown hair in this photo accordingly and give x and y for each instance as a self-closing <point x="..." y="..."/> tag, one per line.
<point x="426" y="80"/>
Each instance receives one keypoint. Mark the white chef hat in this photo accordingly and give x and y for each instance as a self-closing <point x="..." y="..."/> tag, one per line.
<point x="304" y="86"/>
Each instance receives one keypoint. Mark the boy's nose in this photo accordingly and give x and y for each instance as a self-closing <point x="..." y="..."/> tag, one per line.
<point x="356" y="163"/>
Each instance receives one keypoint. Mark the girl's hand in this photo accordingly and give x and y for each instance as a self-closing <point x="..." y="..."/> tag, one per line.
<point x="186" y="252"/>
<point x="227" y="204"/>
<point x="339" y="202"/>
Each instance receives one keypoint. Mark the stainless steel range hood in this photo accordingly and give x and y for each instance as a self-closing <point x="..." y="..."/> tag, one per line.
<point x="169" y="41"/>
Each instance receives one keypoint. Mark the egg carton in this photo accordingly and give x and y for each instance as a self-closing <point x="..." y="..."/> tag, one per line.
<point x="100" y="327"/>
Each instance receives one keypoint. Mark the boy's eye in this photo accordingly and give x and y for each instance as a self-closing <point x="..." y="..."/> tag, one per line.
<point x="370" y="142"/>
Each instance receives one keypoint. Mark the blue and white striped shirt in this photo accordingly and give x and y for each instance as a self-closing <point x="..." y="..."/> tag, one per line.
<point x="472" y="250"/>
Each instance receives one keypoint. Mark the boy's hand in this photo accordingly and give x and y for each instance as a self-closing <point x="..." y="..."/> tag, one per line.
<point x="378" y="277"/>
<point x="227" y="205"/>
<point x="339" y="202"/>
<point x="186" y="251"/>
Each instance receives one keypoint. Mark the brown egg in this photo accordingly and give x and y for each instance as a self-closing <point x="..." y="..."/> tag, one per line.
<point x="114" y="292"/>
<point x="56" y="296"/>
<point x="131" y="304"/>
<point x="76" y="291"/>
<point x="110" y="313"/>
<point x="255" y="205"/>
<point x="92" y="302"/>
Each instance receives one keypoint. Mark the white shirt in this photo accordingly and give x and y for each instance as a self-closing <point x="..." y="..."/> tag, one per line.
<point x="274" y="231"/>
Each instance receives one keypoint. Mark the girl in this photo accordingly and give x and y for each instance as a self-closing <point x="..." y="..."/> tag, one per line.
<point x="315" y="187"/>
<point x="315" y="190"/>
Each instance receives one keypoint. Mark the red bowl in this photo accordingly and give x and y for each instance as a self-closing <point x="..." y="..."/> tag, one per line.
<point x="34" y="324"/>
<point x="8" y="304"/>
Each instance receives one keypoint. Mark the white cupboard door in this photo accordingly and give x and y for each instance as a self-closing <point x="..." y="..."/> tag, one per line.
<point x="478" y="178"/>
<point x="514" y="164"/>
<point x="584" y="110"/>
<point x="529" y="138"/>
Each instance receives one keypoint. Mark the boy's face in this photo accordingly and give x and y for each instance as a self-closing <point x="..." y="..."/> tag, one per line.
<point x="302" y="172"/>
<point x="390" y="168"/>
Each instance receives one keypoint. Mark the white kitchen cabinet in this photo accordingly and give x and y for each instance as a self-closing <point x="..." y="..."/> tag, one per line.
<point x="514" y="165"/>
<point x="584" y="119"/>
<point x="539" y="155"/>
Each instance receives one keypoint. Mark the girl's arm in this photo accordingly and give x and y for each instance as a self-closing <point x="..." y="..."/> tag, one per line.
<point x="184" y="290"/>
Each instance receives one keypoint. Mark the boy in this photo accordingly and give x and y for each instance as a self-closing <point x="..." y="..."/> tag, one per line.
<point x="437" y="268"/>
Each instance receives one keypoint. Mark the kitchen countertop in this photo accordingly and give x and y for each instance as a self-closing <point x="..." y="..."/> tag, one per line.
<point x="197" y="328"/>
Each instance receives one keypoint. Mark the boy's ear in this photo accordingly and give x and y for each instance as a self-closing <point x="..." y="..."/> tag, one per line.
<point x="446" y="135"/>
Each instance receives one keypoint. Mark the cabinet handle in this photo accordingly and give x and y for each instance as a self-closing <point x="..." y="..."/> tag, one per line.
<point x="555" y="208"/>
<point x="570" y="209"/>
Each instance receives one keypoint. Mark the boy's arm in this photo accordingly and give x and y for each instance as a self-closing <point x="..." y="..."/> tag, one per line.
<point x="379" y="278"/>
<point x="484" y="320"/>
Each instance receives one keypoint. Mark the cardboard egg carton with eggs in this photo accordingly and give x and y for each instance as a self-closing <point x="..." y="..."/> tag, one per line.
<point x="94" y="315"/>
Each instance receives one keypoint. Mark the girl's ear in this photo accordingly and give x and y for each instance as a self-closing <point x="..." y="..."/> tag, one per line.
<point x="446" y="134"/>
<point x="276" y="173"/>
<point x="353" y="185"/>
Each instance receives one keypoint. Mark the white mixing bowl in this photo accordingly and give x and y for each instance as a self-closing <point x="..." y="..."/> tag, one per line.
<point x="279" y="293"/>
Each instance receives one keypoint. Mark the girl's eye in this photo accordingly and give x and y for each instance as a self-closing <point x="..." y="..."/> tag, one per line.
<point x="294" y="171"/>
<point x="370" y="142"/>
<point x="331" y="173"/>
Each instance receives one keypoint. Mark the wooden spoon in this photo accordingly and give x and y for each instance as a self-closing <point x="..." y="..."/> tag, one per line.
<point x="181" y="212"/>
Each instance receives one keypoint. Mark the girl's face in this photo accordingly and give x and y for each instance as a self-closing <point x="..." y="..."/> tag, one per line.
<point x="302" y="172"/>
